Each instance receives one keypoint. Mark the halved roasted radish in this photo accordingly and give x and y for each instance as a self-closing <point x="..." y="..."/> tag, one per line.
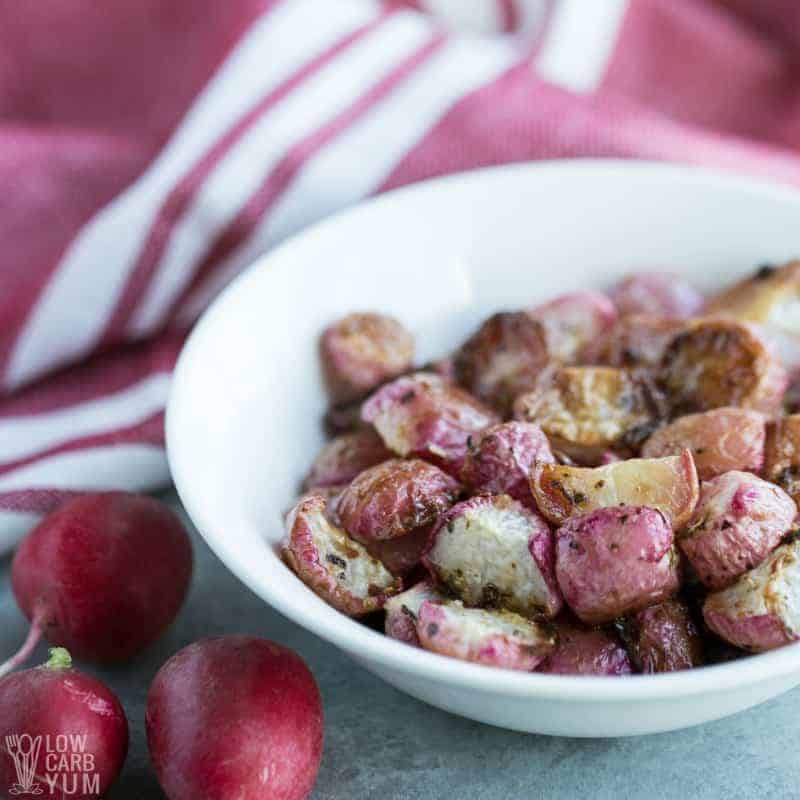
<point x="427" y="416"/>
<point x="716" y="362"/>
<point x="586" y="411"/>
<point x="494" y="638"/>
<point x="667" y="484"/>
<point x="333" y="565"/>
<point x="402" y="611"/>
<point x="492" y="551"/>
<point x="761" y="611"/>
<point x="738" y="520"/>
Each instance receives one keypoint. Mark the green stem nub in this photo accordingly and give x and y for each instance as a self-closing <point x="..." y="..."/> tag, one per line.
<point x="59" y="658"/>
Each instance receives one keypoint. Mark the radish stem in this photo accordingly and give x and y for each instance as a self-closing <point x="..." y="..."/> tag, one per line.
<point x="59" y="658"/>
<point x="29" y="645"/>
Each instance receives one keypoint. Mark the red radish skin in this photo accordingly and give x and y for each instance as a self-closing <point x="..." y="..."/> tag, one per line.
<point x="103" y="576"/>
<point x="235" y="716"/>
<point x="52" y="701"/>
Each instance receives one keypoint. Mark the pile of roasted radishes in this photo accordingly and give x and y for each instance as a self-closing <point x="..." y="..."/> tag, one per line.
<point x="599" y="485"/>
<point x="231" y="716"/>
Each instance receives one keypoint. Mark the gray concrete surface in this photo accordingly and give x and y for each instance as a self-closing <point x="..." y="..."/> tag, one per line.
<point x="382" y="745"/>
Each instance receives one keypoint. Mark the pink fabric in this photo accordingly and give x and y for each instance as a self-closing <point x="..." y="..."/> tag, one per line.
<point x="101" y="108"/>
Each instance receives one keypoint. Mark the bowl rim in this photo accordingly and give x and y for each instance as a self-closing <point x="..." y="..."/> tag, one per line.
<point x="368" y="645"/>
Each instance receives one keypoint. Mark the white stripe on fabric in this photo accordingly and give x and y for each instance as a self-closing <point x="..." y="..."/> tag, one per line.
<point x="117" y="466"/>
<point x="483" y="16"/>
<point x="362" y="158"/>
<point x="579" y="42"/>
<point x="85" y="287"/>
<point x="23" y="436"/>
<point x="130" y="467"/>
<point x="358" y="161"/>
<point x="318" y="100"/>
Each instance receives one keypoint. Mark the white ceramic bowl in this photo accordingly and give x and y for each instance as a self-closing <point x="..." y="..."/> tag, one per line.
<point x="243" y="419"/>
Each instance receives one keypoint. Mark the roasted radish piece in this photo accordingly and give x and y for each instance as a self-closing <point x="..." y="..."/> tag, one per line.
<point x="494" y="638"/>
<point x="400" y="555"/>
<point x="391" y="507"/>
<point x="587" y="410"/>
<point x="771" y="300"/>
<point x="501" y="458"/>
<point x="667" y="484"/>
<point x="502" y="359"/>
<point x="427" y="416"/>
<point x="720" y="440"/>
<point x="615" y="561"/>
<point x="782" y="454"/>
<point x="402" y="611"/>
<point x="635" y="341"/>
<point x="718" y="362"/>
<point x="333" y="565"/>
<point x="573" y="321"/>
<point x="662" y="638"/>
<point x="492" y="551"/>
<point x="739" y="519"/>
<point x="761" y="611"/>
<point x="341" y="459"/>
<point x="344" y="418"/>
<point x="362" y="351"/>
<point x="657" y="294"/>
<point x="394" y="498"/>
<point x="586" y="651"/>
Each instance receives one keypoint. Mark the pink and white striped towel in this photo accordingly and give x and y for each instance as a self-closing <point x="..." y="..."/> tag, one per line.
<point x="149" y="149"/>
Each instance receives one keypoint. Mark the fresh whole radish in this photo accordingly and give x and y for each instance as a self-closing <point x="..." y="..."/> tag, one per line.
<point x="103" y="576"/>
<point x="62" y="733"/>
<point x="235" y="716"/>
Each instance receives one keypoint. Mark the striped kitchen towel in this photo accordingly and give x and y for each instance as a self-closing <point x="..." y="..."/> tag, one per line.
<point x="150" y="149"/>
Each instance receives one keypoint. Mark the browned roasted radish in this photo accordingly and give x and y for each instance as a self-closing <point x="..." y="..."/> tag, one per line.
<point x="782" y="454"/>
<point x="586" y="411"/>
<point x="716" y="362"/>
<point x="662" y="638"/>
<point x="395" y="498"/>
<point x="502" y="359"/>
<point x="333" y="565"/>
<point x="770" y="299"/>
<point x="668" y="484"/>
